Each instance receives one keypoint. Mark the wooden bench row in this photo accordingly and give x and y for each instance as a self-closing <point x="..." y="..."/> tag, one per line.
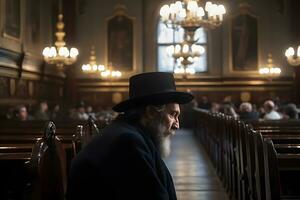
<point x="35" y="159"/>
<point x="282" y="139"/>
<point x="252" y="164"/>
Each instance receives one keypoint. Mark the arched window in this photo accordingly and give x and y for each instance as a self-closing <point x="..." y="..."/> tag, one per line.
<point x="166" y="37"/>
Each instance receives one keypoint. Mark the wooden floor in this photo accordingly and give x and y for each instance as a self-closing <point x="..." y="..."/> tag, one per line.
<point x="192" y="171"/>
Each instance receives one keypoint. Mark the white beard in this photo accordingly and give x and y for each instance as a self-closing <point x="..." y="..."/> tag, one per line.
<point x="165" y="146"/>
<point x="161" y="137"/>
<point x="165" y="142"/>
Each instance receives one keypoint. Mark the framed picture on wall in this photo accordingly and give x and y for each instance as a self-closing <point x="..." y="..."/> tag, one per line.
<point x="12" y="19"/>
<point x="34" y="19"/>
<point x="120" y="31"/>
<point x="244" y="40"/>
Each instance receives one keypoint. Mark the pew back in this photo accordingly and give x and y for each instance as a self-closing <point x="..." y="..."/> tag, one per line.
<point x="247" y="155"/>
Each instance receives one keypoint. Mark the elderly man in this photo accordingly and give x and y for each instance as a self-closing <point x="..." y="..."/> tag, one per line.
<point x="125" y="161"/>
<point x="270" y="111"/>
<point x="247" y="113"/>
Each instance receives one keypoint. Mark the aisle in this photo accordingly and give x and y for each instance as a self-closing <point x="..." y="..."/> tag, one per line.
<point x="192" y="171"/>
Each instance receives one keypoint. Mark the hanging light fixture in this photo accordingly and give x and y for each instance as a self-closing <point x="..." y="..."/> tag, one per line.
<point x="92" y="66"/>
<point x="109" y="73"/>
<point x="191" y="15"/>
<point x="185" y="54"/>
<point x="60" y="54"/>
<point x="292" y="58"/>
<point x="105" y="72"/>
<point x="270" y="70"/>
<point x="182" y="70"/>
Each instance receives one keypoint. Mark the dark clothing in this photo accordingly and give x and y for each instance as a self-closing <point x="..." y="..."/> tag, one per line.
<point x="206" y="106"/>
<point x="249" y="115"/>
<point x="122" y="163"/>
<point x="39" y="115"/>
<point x="57" y="116"/>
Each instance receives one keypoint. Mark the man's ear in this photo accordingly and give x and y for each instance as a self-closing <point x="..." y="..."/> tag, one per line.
<point x="150" y="112"/>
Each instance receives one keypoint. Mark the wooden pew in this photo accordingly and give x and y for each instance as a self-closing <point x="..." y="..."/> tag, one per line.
<point x="84" y="134"/>
<point x="218" y="134"/>
<point x="271" y="172"/>
<point x="285" y="142"/>
<point x="16" y="145"/>
<point x="283" y="173"/>
<point x="259" y="173"/>
<point x="16" y="138"/>
<point x="239" y="153"/>
<point x="274" y="124"/>
<point x="48" y="165"/>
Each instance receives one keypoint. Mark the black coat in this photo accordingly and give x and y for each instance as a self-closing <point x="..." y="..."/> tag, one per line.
<point x="121" y="164"/>
<point x="249" y="115"/>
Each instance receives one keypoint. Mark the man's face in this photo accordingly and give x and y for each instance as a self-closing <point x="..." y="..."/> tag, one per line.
<point x="23" y="114"/>
<point x="81" y="110"/>
<point x="44" y="107"/>
<point x="164" y="125"/>
<point x="169" y="119"/>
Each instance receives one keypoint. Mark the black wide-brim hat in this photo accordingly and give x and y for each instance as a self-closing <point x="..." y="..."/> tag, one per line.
<point x="152" y="88"/>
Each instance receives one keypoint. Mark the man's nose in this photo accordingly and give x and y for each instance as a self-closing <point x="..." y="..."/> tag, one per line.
<point x="176" y="124"/>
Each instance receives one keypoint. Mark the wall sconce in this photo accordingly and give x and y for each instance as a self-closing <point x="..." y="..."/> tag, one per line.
<point x="292" y="58"/>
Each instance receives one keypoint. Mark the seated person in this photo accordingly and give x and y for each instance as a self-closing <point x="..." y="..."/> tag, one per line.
<point x="290" y="111"/>
<point x="57" y="114"/>
<point x="215" y="107"/>
<point x="247" y="113"/>
<point x="42" y="112"/>
<point x="90" y="112"/>
<point x="270" y="112"/>
<point x="21" y="113"/>
<point x="228" y="109"/>
<point x="79" y="113"/>
<point x="204" y="103"/>
<point x="125" y="161"/>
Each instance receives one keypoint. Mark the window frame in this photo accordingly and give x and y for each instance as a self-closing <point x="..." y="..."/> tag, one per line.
<point x="166" y="44"/>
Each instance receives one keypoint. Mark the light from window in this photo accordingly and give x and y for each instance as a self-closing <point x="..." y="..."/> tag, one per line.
<point x="167" y="37"/>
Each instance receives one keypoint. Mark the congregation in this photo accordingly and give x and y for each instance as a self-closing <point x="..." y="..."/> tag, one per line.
<point x="268" y="110"/>
<point x="44" y="112"/>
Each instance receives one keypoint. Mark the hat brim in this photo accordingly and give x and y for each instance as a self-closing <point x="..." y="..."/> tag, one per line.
<point x="154" y="99"/>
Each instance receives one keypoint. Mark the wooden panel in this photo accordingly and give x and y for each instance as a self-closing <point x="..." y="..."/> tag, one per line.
<point x="99" y="92"/>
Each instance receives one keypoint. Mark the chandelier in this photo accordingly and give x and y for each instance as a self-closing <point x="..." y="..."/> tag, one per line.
<point x="105" y="72"/>
<point x="60" y="54"/>
<point x="92" y="66"/>
<point x="292" y="58"/>
<point x="109" y="73"/>
<point x="186" y="54"/>
<point x="183" y="70"/>
<point x="191" y="15"/>
<point x="270" y="69"/>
